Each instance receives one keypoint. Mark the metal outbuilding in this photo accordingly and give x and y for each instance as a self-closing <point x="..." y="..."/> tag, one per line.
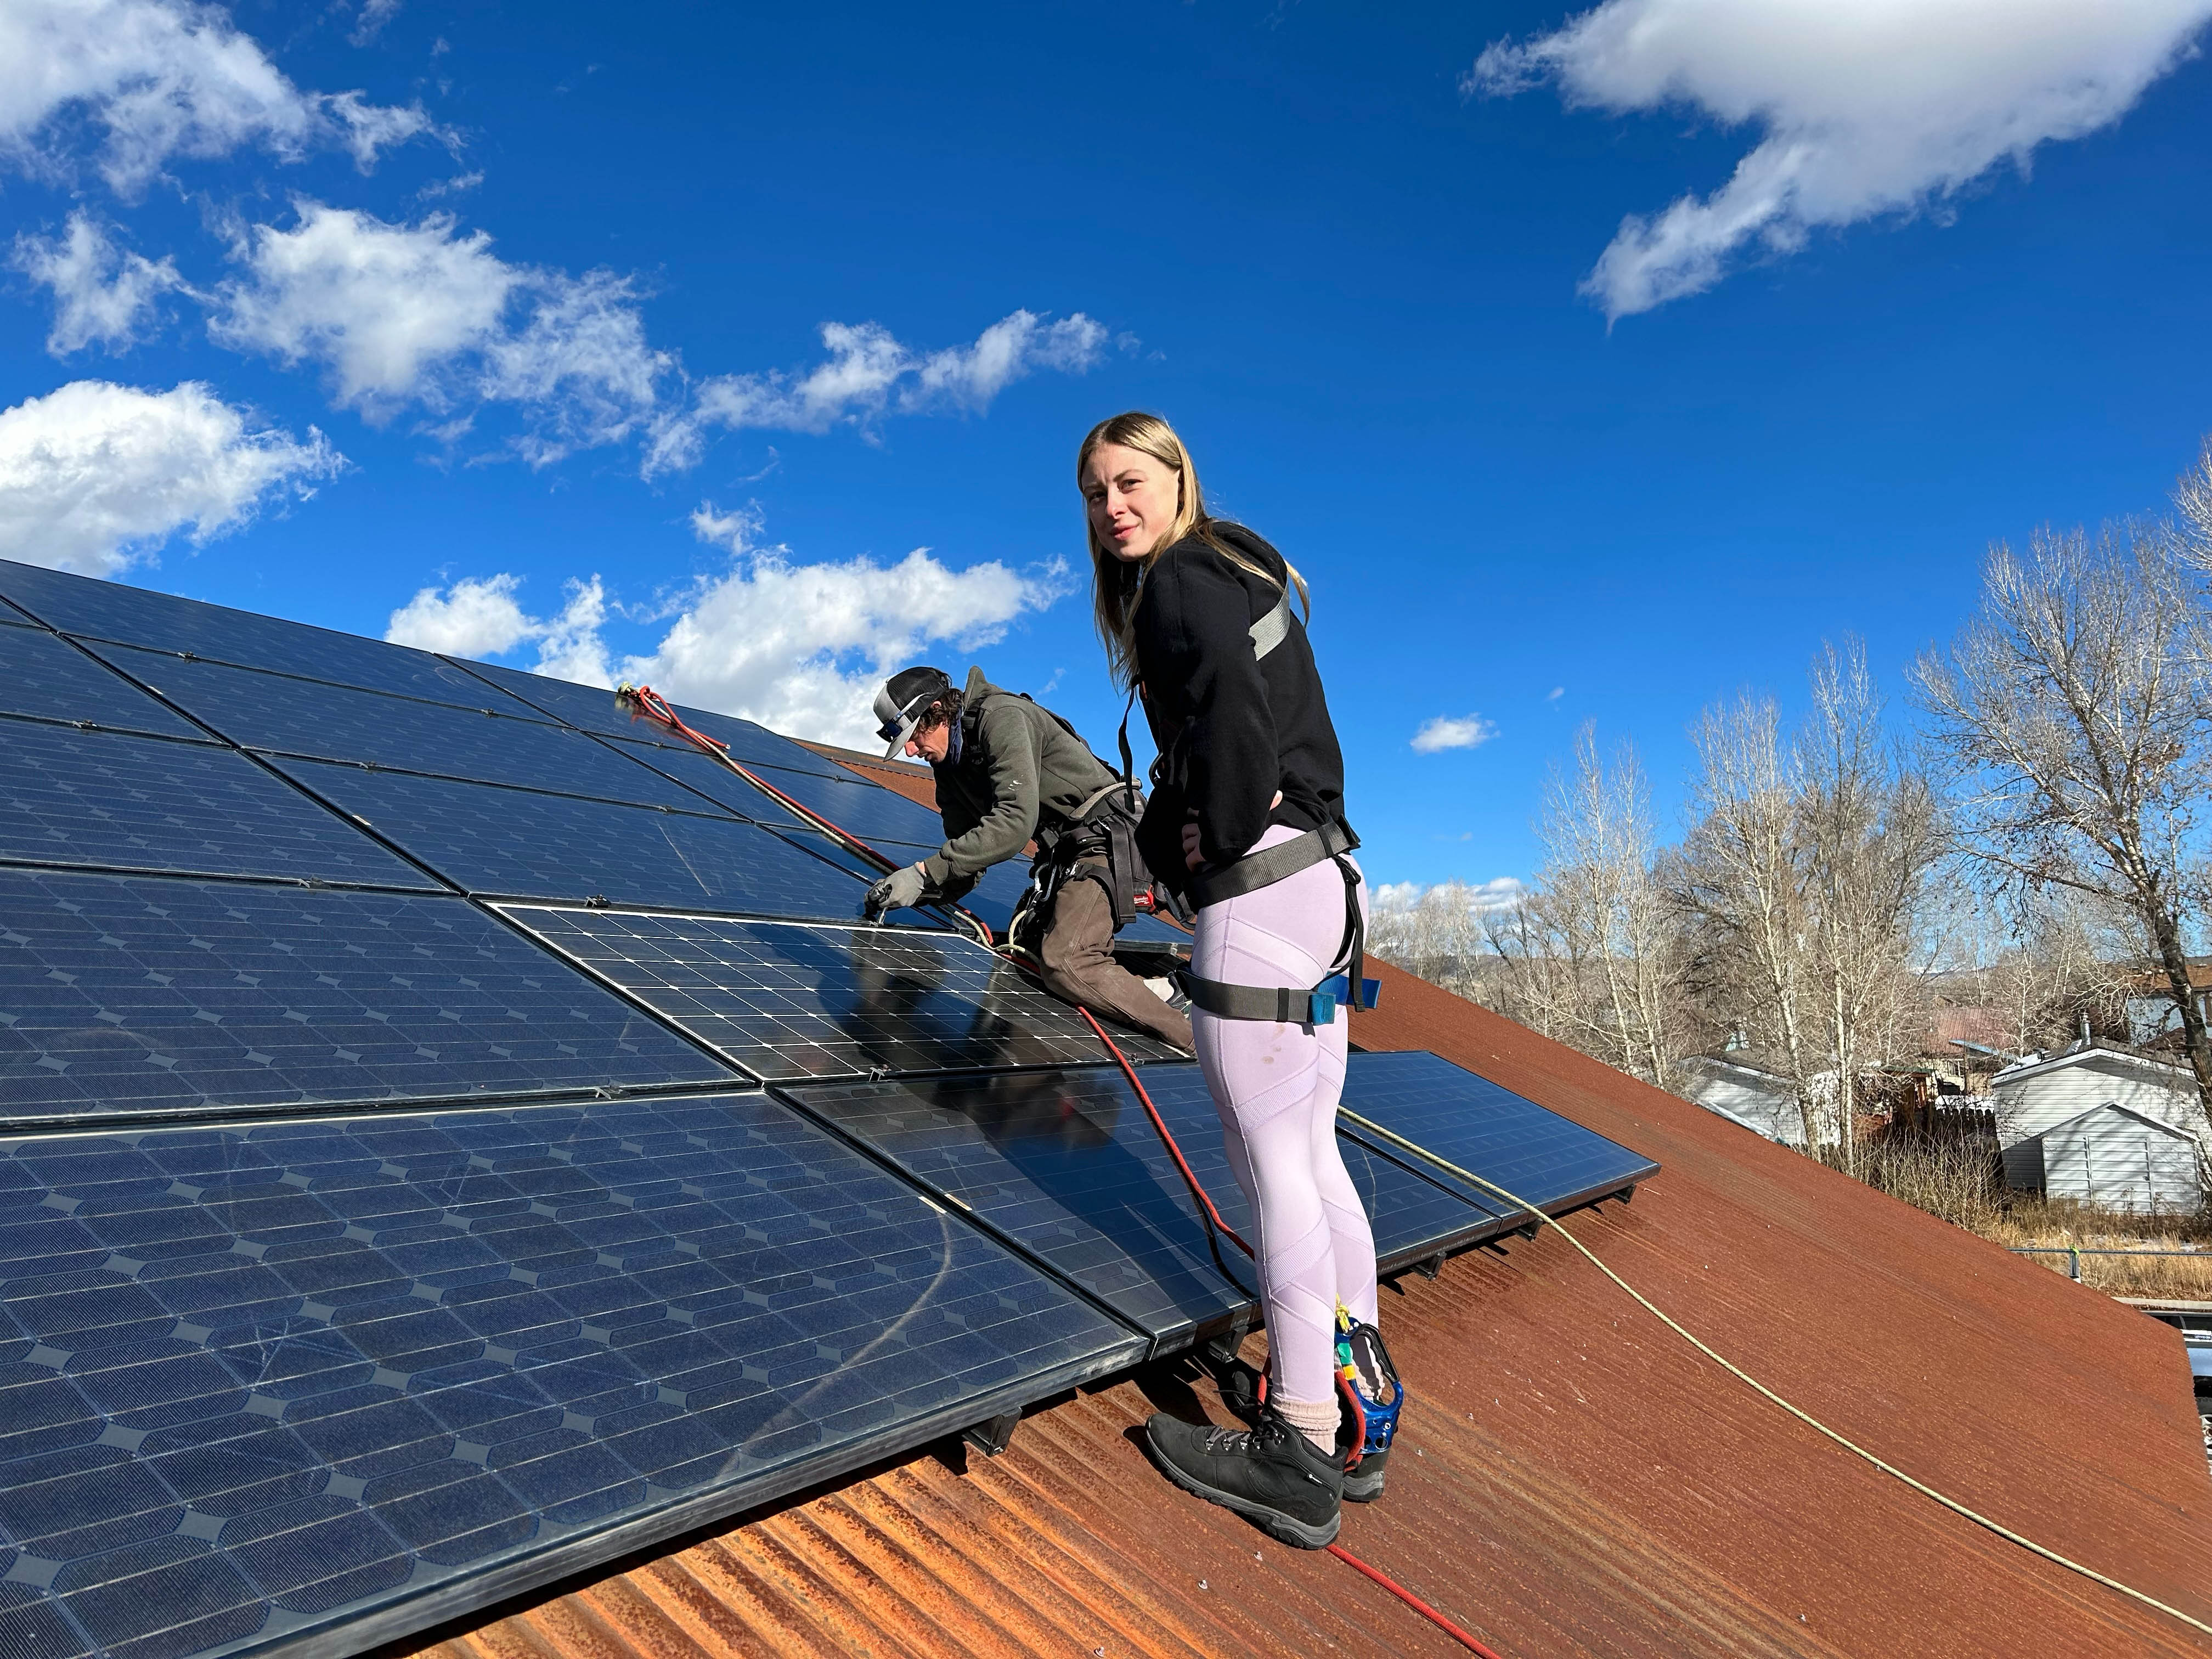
<point x="1575" y="1479"/>
<point x="2113" y="1157"/>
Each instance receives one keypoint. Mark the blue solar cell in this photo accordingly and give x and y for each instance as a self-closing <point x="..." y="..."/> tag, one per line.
<point x="166" y="995"/>
<point x="327" y="722"/>
<point x="595" y="709"/>
<point x="866" y="810"/>
<point x="329" y="1371"/>
<point x="119" y="802"/>
<point x="137" y="615"/>
<point x="1067" y="1165"/>
<point x="43" y="675"/>
<point x="787" y="1000"/>
<point x="513" y="843"/>
<point x="1550" y="1162"/>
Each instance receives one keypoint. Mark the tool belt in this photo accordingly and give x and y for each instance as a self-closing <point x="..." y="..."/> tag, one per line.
<point x="1098" y="845"/>
<point x="1315" y="1005"/>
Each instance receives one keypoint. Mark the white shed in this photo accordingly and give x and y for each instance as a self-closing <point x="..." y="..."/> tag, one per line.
<point x="2113" y="1157"/>
<point x="1759" y="1101"/>
<point x="2036" y="1095"/>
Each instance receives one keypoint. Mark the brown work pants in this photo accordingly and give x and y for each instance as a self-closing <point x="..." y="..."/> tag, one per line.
<point x="1077" y="958"/>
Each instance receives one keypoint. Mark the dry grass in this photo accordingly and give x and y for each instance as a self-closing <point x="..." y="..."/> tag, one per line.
<point x="1959" y="1182"/>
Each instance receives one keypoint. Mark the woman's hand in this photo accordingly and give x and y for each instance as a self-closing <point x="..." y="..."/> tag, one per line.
<point x="1190" y="854"/>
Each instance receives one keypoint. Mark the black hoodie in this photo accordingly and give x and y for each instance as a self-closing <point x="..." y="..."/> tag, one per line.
<point x="1232" y="728"/>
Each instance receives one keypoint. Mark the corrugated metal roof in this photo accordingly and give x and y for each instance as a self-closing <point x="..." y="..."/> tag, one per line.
<point x="1575" y="1479"/>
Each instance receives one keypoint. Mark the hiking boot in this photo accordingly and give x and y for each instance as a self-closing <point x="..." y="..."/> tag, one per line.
<point x="1363" y="1482"/>
<point x="1271" y="1475"/>
<point x="1243" y="1391"/>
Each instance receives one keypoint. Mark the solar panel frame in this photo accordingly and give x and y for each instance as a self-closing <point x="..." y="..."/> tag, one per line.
<point x="784" y="1001"/>
<point x="44" y="677"/>
<point x="317" y="720"/>
<point x="116" y="800"/>
<point x="117" y="613"/>
<point x="1549" y="1160"/>
<point x="606" y="1324"/>
<point x="128" y="999"/>
<point x="494" y="840"/>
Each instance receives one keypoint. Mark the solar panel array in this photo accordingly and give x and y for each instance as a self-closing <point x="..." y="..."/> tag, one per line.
<point x="452" y="1133"/>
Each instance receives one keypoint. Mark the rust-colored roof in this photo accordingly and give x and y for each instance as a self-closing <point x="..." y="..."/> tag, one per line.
<point x="911" y="781"/>
<point x="1573" y="1479"/>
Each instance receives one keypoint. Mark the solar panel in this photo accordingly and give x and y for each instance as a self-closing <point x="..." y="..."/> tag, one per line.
<point x="1067" y="1165"/>
<point x="148" y="996"/>
<point x="1554" y="1163"/>
<point x="328" y="722"/>
<point x="866" y="810"/>
<point x="518" y="844"/>
<point x="787" y="1000"/>
<point x="119" y="802"/>
<point x="137" y="615"/>
<point x="335" y="1379"/>
<point x="595" y="709"/>
<point x="44" y="675"/>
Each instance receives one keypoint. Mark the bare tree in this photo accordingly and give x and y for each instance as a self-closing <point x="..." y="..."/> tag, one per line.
<point x="2071" y="706"/>
<point x="1743" y="881"/>
<point x="1608" y="919"/>
<point x="1869" y="831"/>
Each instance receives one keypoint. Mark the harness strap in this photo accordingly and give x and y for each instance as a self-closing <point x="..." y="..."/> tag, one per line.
<point x="1082" y="809"/>
<point x="1282" y="1005"/>
<point x="1264" y="869"/>
<point x="1272" y="629"/>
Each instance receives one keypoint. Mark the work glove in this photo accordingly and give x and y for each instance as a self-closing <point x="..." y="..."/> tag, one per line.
<point x="899" y="890"/>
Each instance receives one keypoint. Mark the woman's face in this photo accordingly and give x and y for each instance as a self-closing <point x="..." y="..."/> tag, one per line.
<point x="1131" y="500"/>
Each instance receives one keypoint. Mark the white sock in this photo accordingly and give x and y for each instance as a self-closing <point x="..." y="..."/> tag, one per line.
<point x="1316" y="1421"/>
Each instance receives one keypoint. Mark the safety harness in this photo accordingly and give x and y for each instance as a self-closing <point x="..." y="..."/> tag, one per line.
<point x="1316" y="1004"/>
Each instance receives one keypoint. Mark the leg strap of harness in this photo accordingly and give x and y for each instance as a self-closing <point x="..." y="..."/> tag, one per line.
<point x="1315" y="1005"/>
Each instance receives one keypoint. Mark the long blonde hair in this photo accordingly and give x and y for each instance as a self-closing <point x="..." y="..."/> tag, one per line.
<point x="1116" y="583"/>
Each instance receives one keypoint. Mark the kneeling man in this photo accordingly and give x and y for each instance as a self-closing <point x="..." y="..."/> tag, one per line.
<point x="1009" y="772"/>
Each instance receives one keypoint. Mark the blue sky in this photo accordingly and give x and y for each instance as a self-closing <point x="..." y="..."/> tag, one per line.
<point x="561" y="326"/>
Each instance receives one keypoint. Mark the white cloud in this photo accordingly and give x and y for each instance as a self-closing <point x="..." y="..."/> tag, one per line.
<point x="868" y="373"/>
<point x="374" y="14"/>
<point x="1478" y="898"/>
<point x="387" y="308"/>
<point x="165" y="78"/>
<point x="102" y="292"/>
<point x="1555" y="694"/>
<point x="481" y="616"/>
<point x="1453" y="731"/>
<point x="476" y="617"/>
<point x="95" y="477"/>
<point x="1864" y="108"/>
<point x="970" y="377"/>
<point x="800" y="647"/>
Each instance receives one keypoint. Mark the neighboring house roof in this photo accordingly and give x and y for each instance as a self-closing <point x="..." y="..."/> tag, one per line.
<point x="1717" y="1063"/>
<point x="2143" y="1118"/>
<point x="2142" y="1063"/>
<point x="1572" y="1478"/>
<point x="1984" y="1028"/>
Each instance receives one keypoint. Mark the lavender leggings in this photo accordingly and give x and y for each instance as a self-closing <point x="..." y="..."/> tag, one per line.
<point x="1276" y="1088"/>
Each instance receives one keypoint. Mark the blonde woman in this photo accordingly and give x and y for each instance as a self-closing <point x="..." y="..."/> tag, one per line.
<point x="1247" y="818"/>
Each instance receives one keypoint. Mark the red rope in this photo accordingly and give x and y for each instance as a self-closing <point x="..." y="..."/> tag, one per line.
<point x="1166" y="1136"/>
<point x="656" y="706"/>
<point x="1206" y="1202"/>
<point x="1413" y="1601"/>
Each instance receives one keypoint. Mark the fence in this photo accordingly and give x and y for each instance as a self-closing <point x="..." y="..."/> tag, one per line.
<point x="2074" y="1255"/>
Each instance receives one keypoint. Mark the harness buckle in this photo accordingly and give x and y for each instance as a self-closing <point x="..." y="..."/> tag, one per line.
<point x="1321" y="1008"/>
